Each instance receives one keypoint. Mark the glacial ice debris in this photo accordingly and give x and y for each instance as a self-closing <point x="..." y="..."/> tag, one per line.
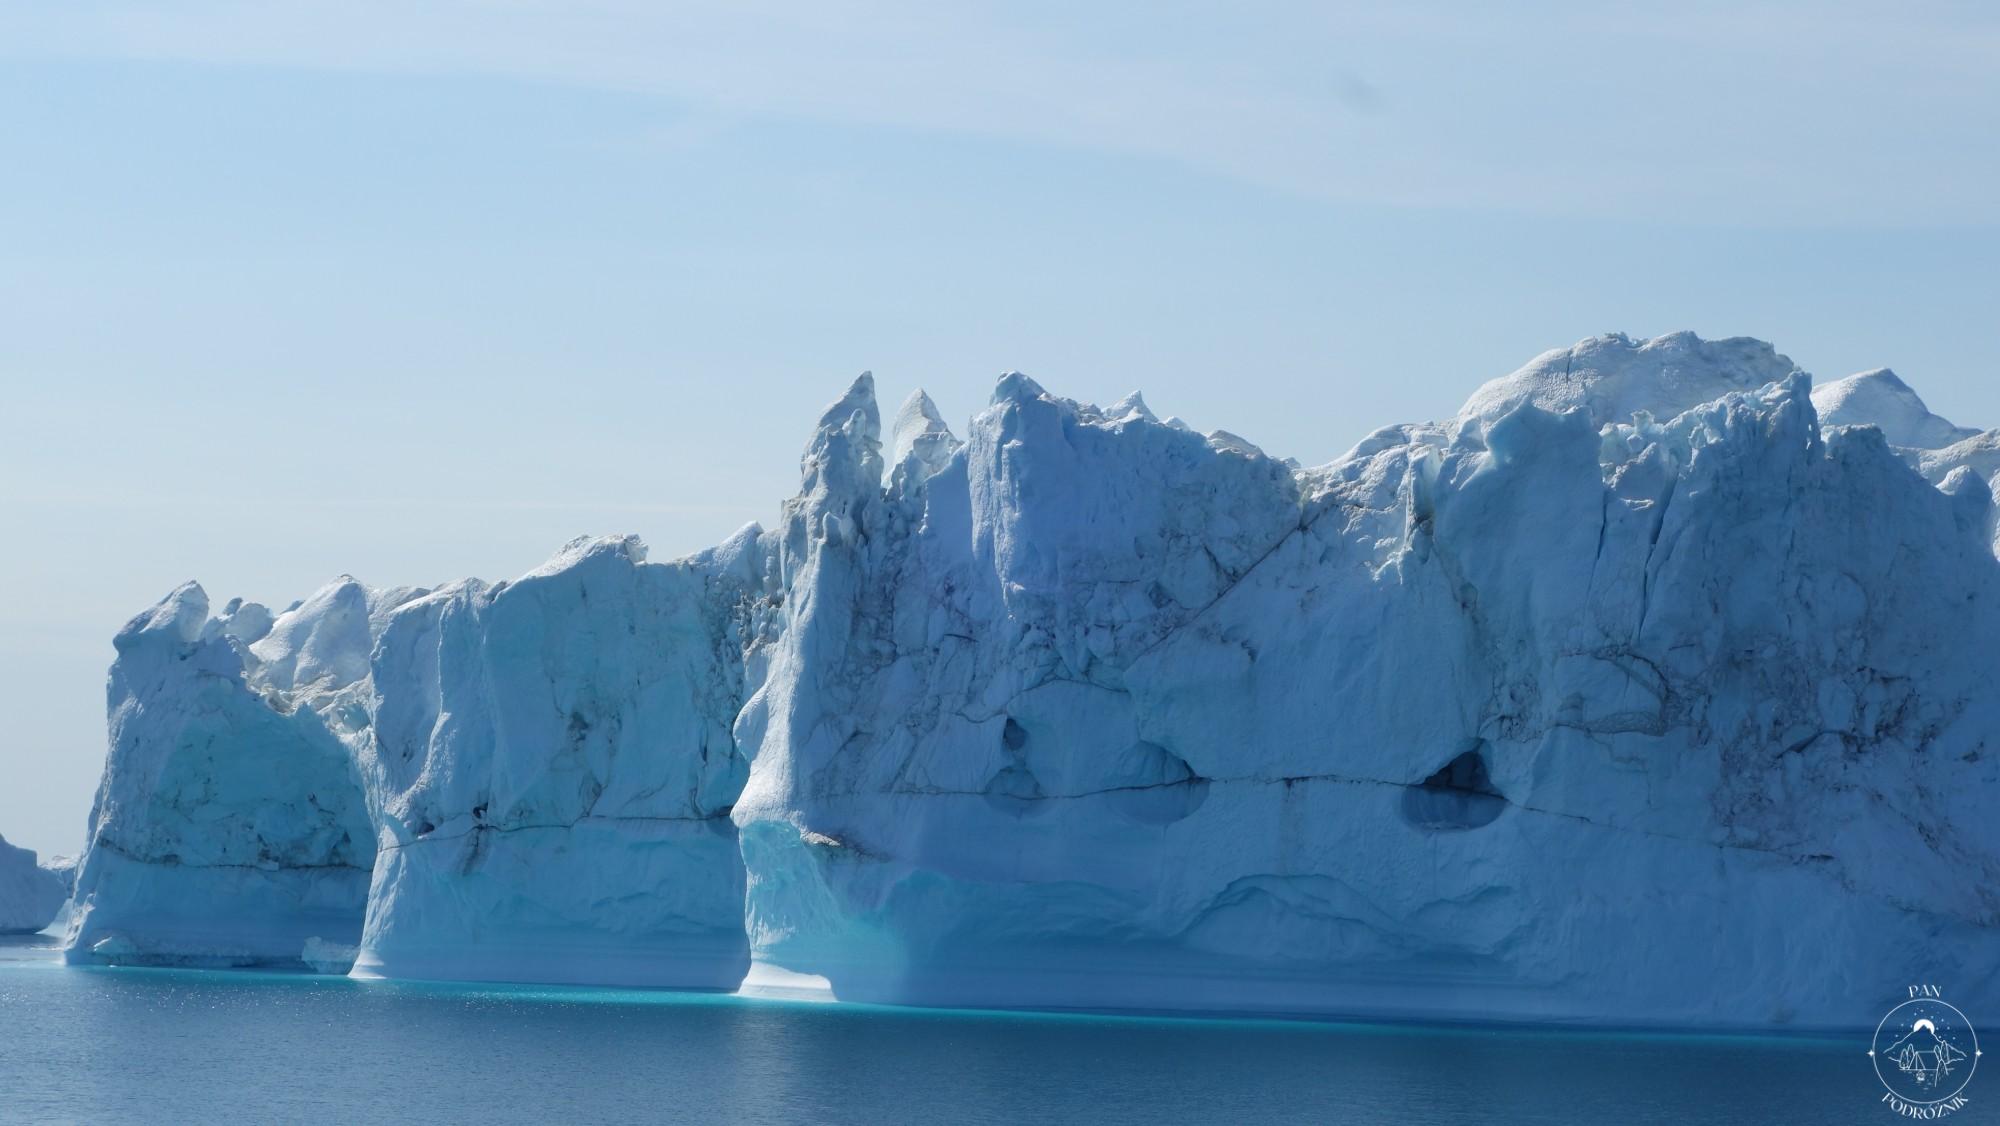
<point x="921" y="436"/>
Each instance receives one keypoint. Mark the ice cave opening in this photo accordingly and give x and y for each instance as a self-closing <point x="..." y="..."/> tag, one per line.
<point x="1460" y="795"/>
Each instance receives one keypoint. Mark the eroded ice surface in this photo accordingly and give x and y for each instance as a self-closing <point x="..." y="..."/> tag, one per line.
<point x="231" y="826"/>
<point x="553" y="773"/>
<point x="1653" y="687"/>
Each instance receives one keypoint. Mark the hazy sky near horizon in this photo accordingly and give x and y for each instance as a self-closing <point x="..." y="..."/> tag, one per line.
<point x="419" y="290"/>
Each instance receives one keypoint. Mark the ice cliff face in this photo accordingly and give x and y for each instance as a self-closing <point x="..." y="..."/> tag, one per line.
<point x="31" y="894"/>
<point x="1651" y="688"/>
<point x="231" y="826"/>
<point x="553" y="773"/>
<point x="1472" y="721"/>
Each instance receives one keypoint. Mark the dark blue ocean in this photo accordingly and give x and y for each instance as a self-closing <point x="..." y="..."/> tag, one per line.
<point x="171" y="1046"/>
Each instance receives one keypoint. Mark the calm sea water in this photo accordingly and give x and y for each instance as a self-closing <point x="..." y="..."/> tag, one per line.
<point x="170" y="1046"/>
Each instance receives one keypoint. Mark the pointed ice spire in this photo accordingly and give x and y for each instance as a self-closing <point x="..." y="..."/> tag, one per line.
<point x="842" y="465"/>
<point x="921" y="431"/>
<point x="860" y="398"/>
<point x="324" y="638"/>
<point x="1130" y="405"/>
<point x="180" y="615"/>
<point x="851" y="421"/>
<point x="1015" y="387"/>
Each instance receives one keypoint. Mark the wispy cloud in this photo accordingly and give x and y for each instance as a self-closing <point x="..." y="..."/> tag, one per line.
<point x="1794" y="113"/>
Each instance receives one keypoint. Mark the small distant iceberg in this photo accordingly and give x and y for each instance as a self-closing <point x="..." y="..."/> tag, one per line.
<point x="31" y="894"/>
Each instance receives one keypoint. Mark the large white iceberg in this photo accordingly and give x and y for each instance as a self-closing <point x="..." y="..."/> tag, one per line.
<point x="1637" y="692"/>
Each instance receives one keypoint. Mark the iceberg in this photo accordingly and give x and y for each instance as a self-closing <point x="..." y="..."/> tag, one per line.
<point x="1649" y="688"/>
<point x="32" y="894"/>
<point x="231" y="825"/>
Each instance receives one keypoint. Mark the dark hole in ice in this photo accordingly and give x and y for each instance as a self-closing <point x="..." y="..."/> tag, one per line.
<point x="1015" y="791"/>
<point x="1013" y="736"/>
<point x="1460" y="795"/>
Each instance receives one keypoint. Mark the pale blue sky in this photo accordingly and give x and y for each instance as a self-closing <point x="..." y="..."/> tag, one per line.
<point x="419" y="290"/>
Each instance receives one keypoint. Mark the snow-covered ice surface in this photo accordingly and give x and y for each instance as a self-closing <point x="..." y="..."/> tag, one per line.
<point x="31" y="893"/>
<point x="1880" y="399"/>
<point x="1611" y="378"/>
<point x="1652" y="688"/>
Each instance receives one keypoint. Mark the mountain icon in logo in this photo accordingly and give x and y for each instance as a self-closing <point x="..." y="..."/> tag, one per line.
<point x="1923" y="1055"/>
